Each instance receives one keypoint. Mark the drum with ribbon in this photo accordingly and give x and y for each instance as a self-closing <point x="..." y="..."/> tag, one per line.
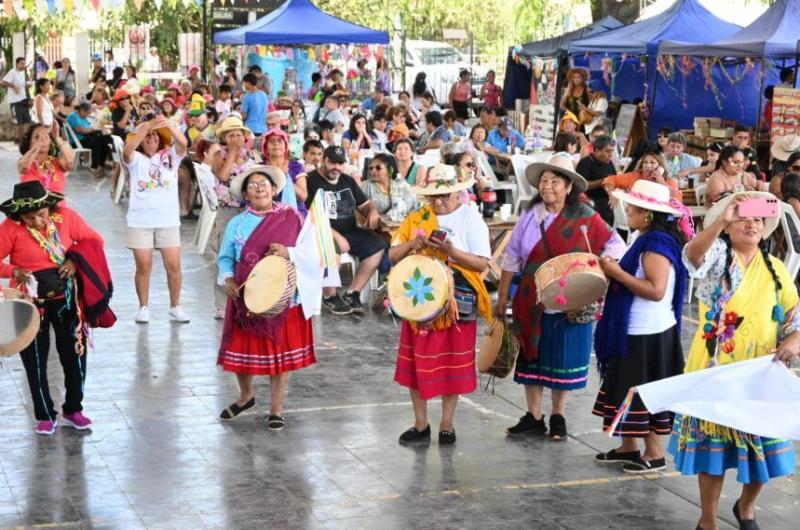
<point x="499" y="349"/>
<point x="420" y="288"/>
<point x="269" y="288"/>
<point x="19" y="322"/>
<point x="570" y="281"/>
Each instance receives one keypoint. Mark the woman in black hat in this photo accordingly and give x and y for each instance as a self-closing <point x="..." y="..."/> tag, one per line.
<point x="35" y="237"/>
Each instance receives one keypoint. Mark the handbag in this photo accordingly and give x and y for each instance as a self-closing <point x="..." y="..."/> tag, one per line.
<point x="585" y="117"/>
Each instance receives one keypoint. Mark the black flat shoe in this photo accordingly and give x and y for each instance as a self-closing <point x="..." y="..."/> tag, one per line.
<point x="234" y="409"/>
<point x="640" y="465"/>
<point x="744" y="524"/>
<point x="617" y="457"/>
<point x="415" y="435"/>
<point x="447" y="437"/>
<point x="275" y="422"/>
<point x="558" y="428"/>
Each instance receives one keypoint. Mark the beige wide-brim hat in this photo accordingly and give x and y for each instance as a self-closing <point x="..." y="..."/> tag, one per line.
<point x="718" y="208"/>
<point x="784" y="146"/>
<point x="649" y="196"/>
<point x="582" y="71"/>
<point x="275" y="174"/>
<point x="560" y="163"/>
<point x="232" y="123"/>
<point x="442" y="179"/>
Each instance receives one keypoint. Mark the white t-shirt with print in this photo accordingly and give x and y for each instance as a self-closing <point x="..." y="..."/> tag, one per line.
<point x="466" y="229"/>
<point x="154" y="190"/>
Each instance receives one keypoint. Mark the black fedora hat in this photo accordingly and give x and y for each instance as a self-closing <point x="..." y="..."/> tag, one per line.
<point x="29" y="197"/>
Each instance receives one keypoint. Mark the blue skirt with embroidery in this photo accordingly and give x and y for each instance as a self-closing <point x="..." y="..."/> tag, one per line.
<point x="563" y="362"/>
<point x="756" y="458"/>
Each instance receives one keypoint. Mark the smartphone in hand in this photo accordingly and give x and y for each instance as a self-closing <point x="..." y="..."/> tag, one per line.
<point x="758" y="207"/>
<point x="438" y="235"/>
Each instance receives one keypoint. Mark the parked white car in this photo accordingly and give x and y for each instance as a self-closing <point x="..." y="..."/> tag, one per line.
<point x="441" y="63"/>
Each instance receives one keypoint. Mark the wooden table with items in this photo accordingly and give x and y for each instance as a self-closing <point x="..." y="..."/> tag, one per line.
<point x="690" y="199"/>
<point x="499" y="236"/>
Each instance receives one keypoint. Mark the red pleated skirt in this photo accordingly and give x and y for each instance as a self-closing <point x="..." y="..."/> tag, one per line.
<point x="246" y="353"/>
<point x="439" y="363"/>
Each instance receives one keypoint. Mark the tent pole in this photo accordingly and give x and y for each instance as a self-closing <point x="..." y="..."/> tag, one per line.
<point x="796" y="59"/>
<point x="760" y="96"/>
<point x="563" y="59"/>
<point x="204" y="62"/>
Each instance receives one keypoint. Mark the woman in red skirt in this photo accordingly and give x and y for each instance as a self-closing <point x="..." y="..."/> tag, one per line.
<point x="438" y="358"/>
<point x="251" y="344"/>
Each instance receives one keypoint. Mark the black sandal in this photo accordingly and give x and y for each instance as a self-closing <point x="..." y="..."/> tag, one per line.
<point x="275" y="422"/>
<point x="234" y="409"/>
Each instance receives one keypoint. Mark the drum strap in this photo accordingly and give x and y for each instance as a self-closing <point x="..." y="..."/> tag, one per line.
<point x="544" y="240"/>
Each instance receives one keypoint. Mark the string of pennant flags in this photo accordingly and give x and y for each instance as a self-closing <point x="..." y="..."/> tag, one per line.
<point x="14" y="7"/>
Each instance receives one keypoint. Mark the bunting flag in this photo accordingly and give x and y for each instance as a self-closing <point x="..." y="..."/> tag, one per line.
<point x="158" y="4"/>
<point x="9" y="5"/>
<point x="314" y="256"/>
<point x="69" y="6"/>
<point x="96" y="5"/>
<point x="137" y="3"/>
<point x="51" y="6"/>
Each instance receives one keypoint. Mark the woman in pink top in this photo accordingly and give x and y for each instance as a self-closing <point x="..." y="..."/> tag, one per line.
<point x="490" y="92"/>
<point x="459" y="96"/>
<point x="37" y="162"/>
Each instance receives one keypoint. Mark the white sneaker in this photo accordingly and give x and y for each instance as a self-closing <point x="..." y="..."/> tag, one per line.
<point x="176" y="314"/>
<point x="143" y="316"/>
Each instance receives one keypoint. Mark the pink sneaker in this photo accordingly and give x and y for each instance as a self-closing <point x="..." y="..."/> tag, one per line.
<point x="78" y="421"/>
<point x="46" y="427"/>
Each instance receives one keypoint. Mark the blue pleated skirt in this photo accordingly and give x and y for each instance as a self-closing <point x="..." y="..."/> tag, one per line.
<point x="755" y="458"/>
<point x="563" y="362"/>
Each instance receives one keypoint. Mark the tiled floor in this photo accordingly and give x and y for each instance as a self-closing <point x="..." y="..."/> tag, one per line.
<point x="158" y="457"/>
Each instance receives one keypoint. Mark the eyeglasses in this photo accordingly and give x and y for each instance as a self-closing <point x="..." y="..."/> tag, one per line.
<point x="470" y="165"/>
<point x="258" y="185"/>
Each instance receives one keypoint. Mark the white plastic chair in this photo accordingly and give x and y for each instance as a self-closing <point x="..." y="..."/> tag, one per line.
<point x="72" y="138"/>
<point x="700" y="193"/>
<point x="487" y="171"/>
<point x="116" y="155"/>
<point x="346" y="258"/>
<point x="621" y="220"/>
<point x="205" y="222"/>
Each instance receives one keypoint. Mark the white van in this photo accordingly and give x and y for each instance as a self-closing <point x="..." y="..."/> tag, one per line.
<point x="441" y="63"/>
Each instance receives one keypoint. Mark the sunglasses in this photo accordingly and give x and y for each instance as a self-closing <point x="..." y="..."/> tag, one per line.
<point x="442" y="197"/>
<point x="470" y="165"/>
<point x="375" y="168"/>
<point x="795" y="167"/>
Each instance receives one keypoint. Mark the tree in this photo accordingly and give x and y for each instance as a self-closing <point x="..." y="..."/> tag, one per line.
<point x="626" y="11"/>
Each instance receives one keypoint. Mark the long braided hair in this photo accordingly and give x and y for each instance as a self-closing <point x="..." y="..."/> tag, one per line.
<point x="762" y="246"/>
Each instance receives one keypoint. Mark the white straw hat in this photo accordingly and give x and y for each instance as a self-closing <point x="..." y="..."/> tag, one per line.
<point x="648" y="195"/>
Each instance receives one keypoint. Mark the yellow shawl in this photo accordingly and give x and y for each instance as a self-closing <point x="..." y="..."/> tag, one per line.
<point x="423" y="220"/>
<point x="754" y="299"/>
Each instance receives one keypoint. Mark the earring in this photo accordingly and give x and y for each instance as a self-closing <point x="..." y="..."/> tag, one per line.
<point x="649" y="217"/>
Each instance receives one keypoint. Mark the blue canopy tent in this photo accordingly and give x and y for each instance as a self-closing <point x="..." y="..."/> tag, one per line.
<point x="686" y="20"/>
<point x="301" y="22"/>
<point x="517" y="84"/>
<point x="774" y="34"/>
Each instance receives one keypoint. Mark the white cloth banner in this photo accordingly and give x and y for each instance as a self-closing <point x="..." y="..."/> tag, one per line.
<point x="307" y="258"/>
<point x="759" y="397"/>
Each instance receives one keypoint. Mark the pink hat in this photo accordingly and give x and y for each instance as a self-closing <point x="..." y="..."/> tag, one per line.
<point x="209" y="98"/>
<point x="274" y="132"/>
<point x="148" y="90"/>
<point x="174" y="86"/>
<point x="193" y="68"/>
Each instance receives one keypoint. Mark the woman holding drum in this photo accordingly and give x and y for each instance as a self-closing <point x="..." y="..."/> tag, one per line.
<point x="638" y="340"/>
<point x="554" y="345"/>
<point x="36" y="238"/>
<point x="440" y="251"/>
<point x="276" y="338"/>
